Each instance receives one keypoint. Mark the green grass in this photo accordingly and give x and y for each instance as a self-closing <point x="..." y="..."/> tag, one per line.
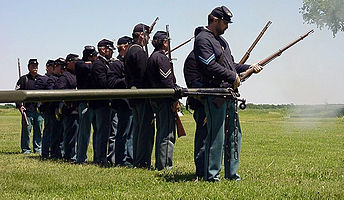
<point x="282" y="158"/>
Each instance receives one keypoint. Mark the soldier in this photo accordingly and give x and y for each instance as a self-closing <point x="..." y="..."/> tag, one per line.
<point x="34" y="118"/>
<point x="86" y="114"/>
<point x="160" y="75"/>
<point x="101" y="109"/>
<point x="193" y="79"/>
<point x="120" y="151"/>
<point x="69" y="109"/>
<point x="42" y="84"/>
<point x="135" y="64"/>
<point x="218" y="69"/>
<point x="56" y="149"/>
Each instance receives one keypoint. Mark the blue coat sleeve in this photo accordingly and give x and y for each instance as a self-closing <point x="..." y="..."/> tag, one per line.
<point x="205" y="55"/>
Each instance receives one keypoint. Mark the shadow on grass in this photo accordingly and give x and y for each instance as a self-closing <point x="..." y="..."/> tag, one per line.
<point x="176" y="176"/>
<point x="9" y="153"/>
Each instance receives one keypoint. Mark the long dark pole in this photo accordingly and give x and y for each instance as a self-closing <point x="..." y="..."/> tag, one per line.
<point x="248" y="52"/>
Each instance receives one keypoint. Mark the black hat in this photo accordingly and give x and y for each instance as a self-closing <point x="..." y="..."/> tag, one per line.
<point x="124" y="40"/>
<point x="60" y="61"/>
<point x="50" y="63"/>
<point x="222" y="13"/>
<point x="160" y="35"/>
<point x="106" y="43"/>
<point x="33" y="61"/>
<point x="89" y="51"/>
<point x="72" y="57"/>
<point x="140" y="27"/>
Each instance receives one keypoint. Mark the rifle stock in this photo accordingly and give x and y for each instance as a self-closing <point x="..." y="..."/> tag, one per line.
<point x="180" y="128"/>
<point x="247" y="54"/>
<point x="245" y="75"/>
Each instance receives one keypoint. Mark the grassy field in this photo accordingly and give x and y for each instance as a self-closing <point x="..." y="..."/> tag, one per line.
<point x="283" y="157"/>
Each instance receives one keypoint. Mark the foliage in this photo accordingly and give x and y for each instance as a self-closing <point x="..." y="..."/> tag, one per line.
<point x="324" y="13"/>
<point x="281" y="158"/>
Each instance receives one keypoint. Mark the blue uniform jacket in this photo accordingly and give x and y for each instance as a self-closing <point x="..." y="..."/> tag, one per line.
<point x="67" y="81"/>
<point x="42" y="84"/>
<point x="99" y="71"/>
<point x="214" y="57"/>
<point x="27" y="82"/>
<point x="159" y="71"/>
<point x="83" y="74"/>
<point x="116" y="80"/>
<point x="135" y="64"/>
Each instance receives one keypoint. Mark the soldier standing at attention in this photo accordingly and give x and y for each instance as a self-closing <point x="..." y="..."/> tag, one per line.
<point x="160" y="75"/>
<point x="34" y="118"/>
<point x="193" y="79"/>
<point x="214" y="57"/>
<point x="56" y="149"/>
<point x="135" y="64"/>
<point x="101" y="108"/>
<point x="120" y="151"/>
<point x="42" y="84"/>
<point x="86" y="114"/>
<point x="69" y="110"/>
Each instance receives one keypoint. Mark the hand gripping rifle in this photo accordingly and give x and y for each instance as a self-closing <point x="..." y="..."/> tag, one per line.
<point x="23" y="114"/>
<point x="248" y="52"/>
<point x="248" y="73"/>
<point x="149" y="31"/>
<point x="180" y="129"/>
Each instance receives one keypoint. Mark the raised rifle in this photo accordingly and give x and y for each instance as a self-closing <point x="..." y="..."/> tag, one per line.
<point x="19" y="71"/>
<point x="180" y="45"/>
<point x="248" y="52"/>
<point x="149" y="31"/>
<point x="246" y="74"/>
<point x="180" y="129"/>
<point x="22" y="108"/>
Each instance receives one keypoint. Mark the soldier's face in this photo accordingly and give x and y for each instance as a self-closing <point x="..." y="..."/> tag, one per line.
<point x="33" y="69"/>
<point x="221" y="26"/>
<point x="58" y="69"/>
<point x="50" y="69"/>
<point x="108" y="53"/>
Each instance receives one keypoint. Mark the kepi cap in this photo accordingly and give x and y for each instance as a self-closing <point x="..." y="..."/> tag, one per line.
<point x="50" y="63"/>
<point x="89" y="51"/>
<point x="33" y="61"/>
<point x="222" y="13"/>
<point x="124" y="40"/>
<point x="160" y="35"/>
<point x="140" y="27"/>
<point x="72" y="57"/>
<point x="106" y="43"/>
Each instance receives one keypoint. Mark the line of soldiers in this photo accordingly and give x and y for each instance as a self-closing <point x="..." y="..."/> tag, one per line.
<point x="123" y="130"/>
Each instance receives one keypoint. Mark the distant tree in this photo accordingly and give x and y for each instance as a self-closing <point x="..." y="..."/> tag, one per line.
<point x="324" y="13"/>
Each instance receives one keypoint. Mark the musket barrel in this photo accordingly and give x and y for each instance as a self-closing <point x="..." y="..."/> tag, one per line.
<point x="247" y="54"/>
<point x="99" y="94"/>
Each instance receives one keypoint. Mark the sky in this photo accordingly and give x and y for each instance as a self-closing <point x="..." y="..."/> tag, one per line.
<point x="310" y="72"/>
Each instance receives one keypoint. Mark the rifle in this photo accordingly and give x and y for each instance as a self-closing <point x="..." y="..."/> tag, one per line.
<point x="247" y="54"/>
<point x="180" y="129"/>
<point x="245" y="75"/>
<point x="180" y="45"/>
<point x="149" y="31"/>
<point x="22" y="108"/>
<point x="19" y="72"/>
